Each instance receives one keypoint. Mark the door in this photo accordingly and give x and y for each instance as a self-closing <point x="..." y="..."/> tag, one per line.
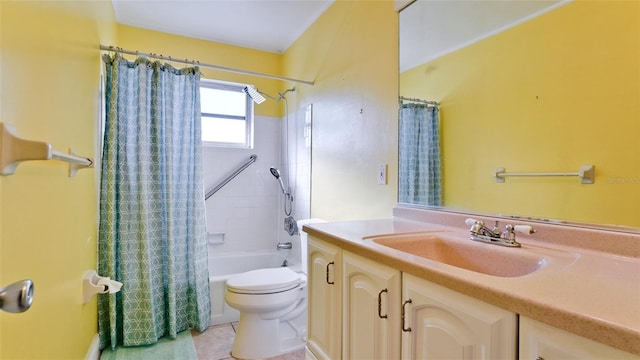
<point x="324" y="307"/>
<point x="541" y="341"/>
<point x="371" y="309"/>
<point x="443" y="324"/>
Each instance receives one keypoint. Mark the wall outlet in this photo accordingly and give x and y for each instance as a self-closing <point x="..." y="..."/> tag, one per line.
<point x="382" y="174"/>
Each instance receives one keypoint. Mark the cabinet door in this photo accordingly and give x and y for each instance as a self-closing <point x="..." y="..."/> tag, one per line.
<point x="370" y="309"/>
<point x="541" y="341"/>
<point x="443" y="324"/>
<point x="324" y="299"/>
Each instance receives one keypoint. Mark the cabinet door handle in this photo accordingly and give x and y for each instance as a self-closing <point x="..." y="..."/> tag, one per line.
<point x="329" y="282"/>
<point x="403" y="315"/>
<point x="380" y="304"/>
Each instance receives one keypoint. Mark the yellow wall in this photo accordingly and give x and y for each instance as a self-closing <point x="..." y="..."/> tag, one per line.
<point x="51" y="66"/>
<point x="50" y="91"/>
<point x="351" y="52"/>
<point x="207" y="52"/>
<point x="549" y="95"/>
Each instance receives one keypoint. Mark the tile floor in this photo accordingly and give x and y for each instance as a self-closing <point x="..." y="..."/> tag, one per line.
<point x="215" y="344"/>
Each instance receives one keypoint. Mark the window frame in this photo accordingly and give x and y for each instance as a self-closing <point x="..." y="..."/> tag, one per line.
<point x="248" y="119"/>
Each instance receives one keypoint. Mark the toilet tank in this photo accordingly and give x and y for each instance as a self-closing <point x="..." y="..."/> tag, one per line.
<point x="303" y="242"/>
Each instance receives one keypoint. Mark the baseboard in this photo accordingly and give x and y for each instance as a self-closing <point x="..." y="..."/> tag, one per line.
<point x="94" y="349"/>
<point x="308" y="355"/>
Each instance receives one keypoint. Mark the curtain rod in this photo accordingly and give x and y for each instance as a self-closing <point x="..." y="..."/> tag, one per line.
<point x="428" y="102"/>
<point x="197" y="63"/>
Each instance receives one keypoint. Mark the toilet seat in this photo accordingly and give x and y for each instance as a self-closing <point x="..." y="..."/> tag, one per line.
<point x="264" y="281"/>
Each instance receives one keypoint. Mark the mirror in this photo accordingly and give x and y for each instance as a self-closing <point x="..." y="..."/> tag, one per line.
<point x="536" y="88"/>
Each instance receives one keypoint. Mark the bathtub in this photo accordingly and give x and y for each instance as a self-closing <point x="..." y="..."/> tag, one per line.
<point x="224" y="265"/>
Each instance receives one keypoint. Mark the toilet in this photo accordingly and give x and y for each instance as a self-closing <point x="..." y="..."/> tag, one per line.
<point x="273" y="308"/>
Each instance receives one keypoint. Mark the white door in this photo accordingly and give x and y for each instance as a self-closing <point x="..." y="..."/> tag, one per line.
<point x="540" y="341"/>
<point x="324" y="307"/>
<point x="443" y="324"/>
<point x="370" y="309"/>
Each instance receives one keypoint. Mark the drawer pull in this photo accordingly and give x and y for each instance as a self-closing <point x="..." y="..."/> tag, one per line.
<point x="403" y="315"/>
<point x="329" y="282"/>
<point x="380" y="304"/>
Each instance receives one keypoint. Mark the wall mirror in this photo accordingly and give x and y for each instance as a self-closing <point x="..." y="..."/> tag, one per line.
<point x="531" y="87"/>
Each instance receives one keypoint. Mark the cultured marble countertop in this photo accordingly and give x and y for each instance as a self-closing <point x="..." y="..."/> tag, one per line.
<point x="592" y="290"/>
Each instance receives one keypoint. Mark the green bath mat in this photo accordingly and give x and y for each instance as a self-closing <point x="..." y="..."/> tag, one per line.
<point x="181" y="347"/>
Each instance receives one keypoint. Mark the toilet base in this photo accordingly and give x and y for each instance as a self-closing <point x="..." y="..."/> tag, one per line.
<point x="261" y="338"/>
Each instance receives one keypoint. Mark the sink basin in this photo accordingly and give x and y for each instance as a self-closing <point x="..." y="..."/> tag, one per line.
<point x="457" y="250"/>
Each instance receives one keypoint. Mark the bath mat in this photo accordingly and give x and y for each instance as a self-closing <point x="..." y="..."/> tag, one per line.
<point x="182" y="347"/>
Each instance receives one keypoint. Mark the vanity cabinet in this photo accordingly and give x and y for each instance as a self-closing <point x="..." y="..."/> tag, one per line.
<point x="539" y="341"/>
<point x="442" y="324"/>
<point x="361" y="309"/>
<point x="370" y="309"/>
<point x="324" y="284"/>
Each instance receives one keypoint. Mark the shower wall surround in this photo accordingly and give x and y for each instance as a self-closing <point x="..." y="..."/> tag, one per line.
<point x="248" y="210"/>
<point x="244" y="210"/>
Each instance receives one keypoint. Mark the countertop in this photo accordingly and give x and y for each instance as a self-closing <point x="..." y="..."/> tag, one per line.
<point x="591" y="292"/>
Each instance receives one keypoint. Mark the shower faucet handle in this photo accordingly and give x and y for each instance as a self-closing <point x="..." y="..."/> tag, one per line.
<point x="284" y="246"/>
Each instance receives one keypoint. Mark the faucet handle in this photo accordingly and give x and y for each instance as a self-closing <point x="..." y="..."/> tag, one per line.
<point x="509" y="233"/>
<point x="525" y="229"/>
<point x="476" y="226"/>
<point x="471" y="222"/>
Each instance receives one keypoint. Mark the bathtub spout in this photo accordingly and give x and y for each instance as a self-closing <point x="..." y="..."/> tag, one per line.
<point x="285" y="263"/>
<point x="284" y="246"/>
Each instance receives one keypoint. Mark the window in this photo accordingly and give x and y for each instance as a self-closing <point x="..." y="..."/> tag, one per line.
<point x="227" y="115"/>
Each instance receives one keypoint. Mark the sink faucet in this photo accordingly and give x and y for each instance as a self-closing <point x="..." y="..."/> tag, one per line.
<point x="480" y="232"/>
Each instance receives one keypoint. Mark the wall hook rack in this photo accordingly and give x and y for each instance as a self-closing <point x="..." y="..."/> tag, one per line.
<point x="14" y="150"/>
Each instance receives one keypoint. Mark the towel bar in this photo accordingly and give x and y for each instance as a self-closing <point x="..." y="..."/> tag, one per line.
<point x="586" y="174"/>
<point x="14" y="150"/>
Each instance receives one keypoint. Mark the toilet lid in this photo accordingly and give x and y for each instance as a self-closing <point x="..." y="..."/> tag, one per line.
<point x="264" y="281"/>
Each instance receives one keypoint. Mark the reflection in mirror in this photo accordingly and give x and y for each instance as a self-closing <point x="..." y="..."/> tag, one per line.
<point x="532" y="87"/>
<point x="419" y="153"/>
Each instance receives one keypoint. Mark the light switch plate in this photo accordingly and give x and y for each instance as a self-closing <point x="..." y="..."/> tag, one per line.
<point x="382" y="174"/>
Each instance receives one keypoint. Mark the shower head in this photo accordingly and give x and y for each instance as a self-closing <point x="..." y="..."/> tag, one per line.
<point x="254" y="94"/>
<point x="276" y="173"/>
<point x="259" y="97"/>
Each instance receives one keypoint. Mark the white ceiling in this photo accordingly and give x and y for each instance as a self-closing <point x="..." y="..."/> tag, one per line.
<point x="269" y="25"/>
<point x="432" y="28"/>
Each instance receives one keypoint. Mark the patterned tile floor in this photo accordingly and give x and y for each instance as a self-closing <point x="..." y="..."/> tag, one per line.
<point x="215" y="344"/>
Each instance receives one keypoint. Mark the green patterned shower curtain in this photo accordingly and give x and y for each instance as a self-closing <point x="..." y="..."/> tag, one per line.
<point x="419" y="178"/>
<point x="152" y="235"/>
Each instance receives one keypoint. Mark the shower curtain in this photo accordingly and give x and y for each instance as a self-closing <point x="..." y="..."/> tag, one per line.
<point x="152" y="235"/>
<point x="419" y="180"/>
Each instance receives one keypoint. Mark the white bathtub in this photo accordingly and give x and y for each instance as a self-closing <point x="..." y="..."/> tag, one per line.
<point x="224" y="265"/>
